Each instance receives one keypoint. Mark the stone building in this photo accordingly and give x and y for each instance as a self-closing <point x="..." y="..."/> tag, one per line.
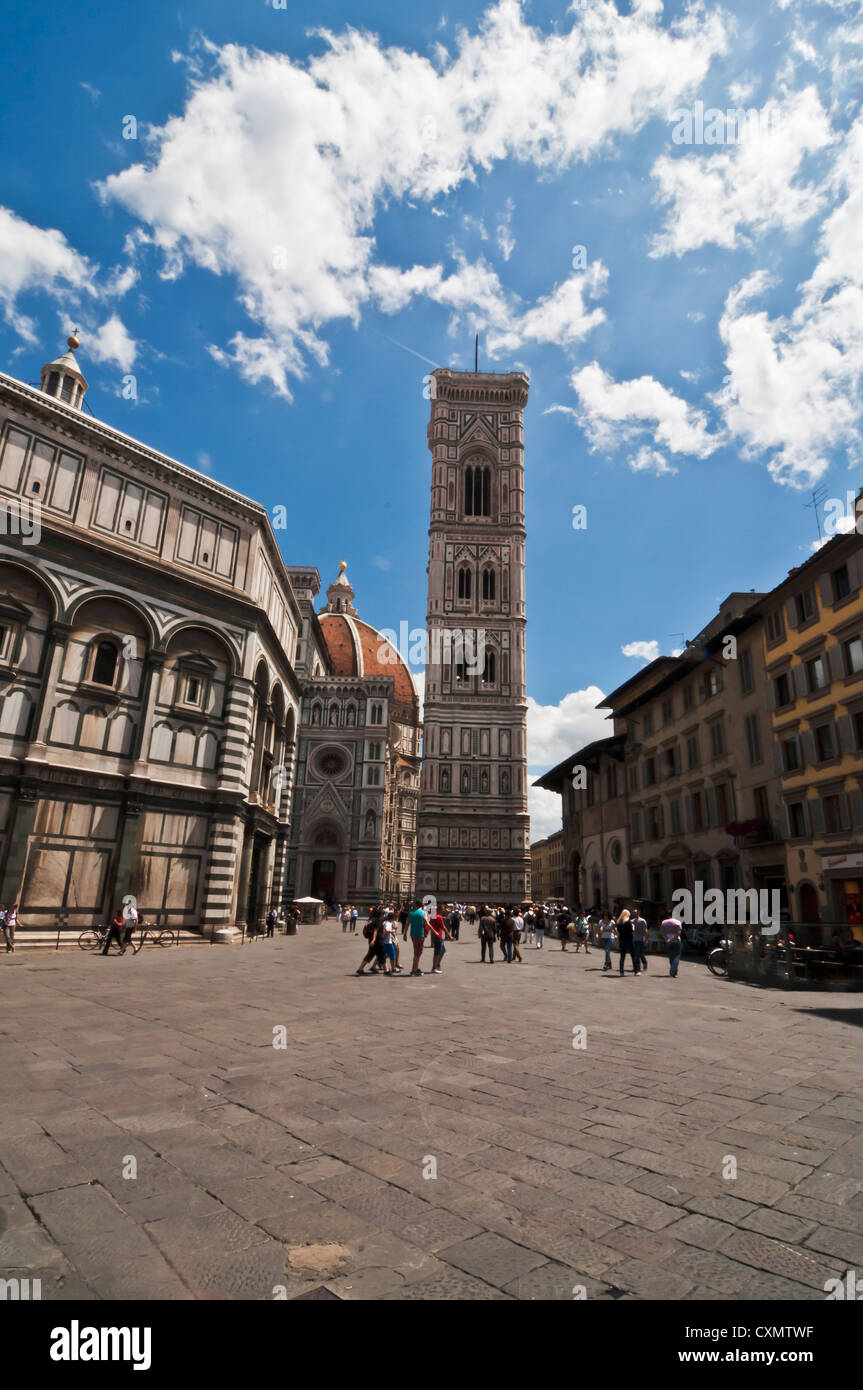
<point x="156" y="663"/>
<point x="473" y="828"/>
<point x="546" y="869"/>
<point x="813" y="637"/>
<point x="353" y="834"/>
<point x="595" y="835"/>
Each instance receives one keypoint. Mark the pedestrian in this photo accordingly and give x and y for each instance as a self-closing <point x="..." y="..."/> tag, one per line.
<point x="354" y="915"/>
<point x="391" y="945"/>
<point x="116" y="932"/>
<point x="581" y="938"/>
<point x="506" y="931"/>
<point x="418" y="931"/>
<point x="272" y="918"/>
<point x="518" y="933"/>
<point x="440" y="934"/>
<point x="346" y="918"/>
<point x="639" y="939"/>
<point x="540" y="924"/>
<point x="563" y="921"/>
<point x="471" y="916"/>
<point x="404" y="920"/>
<point x="624" y="940"/>
<point x="529" y="925"/>
<point x="671" y="929"/>
<point x="374" y="935"/>
<point x="10" y="922"/>
<point x="487" y="933"/>
<point x="131" y="919"/>
<point x="454" y="922"/>
<point x="606" y="936"/>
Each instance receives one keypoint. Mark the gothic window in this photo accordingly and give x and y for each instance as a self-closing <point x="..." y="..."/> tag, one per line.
<point x="464" y="584"/>
<point x="377" y="714"/>
<point x="489" y="669"/>
<point x="460" y="673"/>
<point x="477" y="491"/>
<point x="488" y="585"/>
<point x="104" y="668"/>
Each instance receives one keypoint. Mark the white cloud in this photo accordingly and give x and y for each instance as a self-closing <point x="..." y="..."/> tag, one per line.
<point x="505" y="238"/>
<point x="275" y="172"/>
<point x="613" y="413"/>
<point x="544" y="809"/>
<point x="560" y="317"/>
<point x="752" y="186"/>
<point x="649" y="460"/>
<point x="112" y="343"/>
<point x="381" y="562"/>
<point x="37" y="258"/>
<point x="555" y="731"/>
<point x="643" y="651"/>
<point x="793" y="390"/>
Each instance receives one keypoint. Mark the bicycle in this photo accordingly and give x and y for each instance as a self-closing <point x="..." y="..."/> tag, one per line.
<point x="94" y="938"/>
<point x="717" y="962"/>
<point x="160" y="936"/>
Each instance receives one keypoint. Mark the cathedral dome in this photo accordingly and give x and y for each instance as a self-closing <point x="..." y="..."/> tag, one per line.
<point x="358" y="649"/>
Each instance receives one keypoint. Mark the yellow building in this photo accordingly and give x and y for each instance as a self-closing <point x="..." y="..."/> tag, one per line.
<point x="813" y="642"/>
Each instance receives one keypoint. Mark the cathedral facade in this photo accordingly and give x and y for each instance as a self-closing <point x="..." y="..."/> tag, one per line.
<point x="176" y="721"/>
<point x="473" y="837"/>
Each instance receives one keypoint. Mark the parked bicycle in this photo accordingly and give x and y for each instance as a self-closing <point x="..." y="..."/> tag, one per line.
<point x="717" y="961"/>
<point x="94" y="938"/>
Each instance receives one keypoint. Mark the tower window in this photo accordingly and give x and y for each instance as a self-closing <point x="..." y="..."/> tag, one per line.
<point x="488" y="585"/>
<point x="477" y="491"/>
<point x="489" y="670"/>
<point x="66" y="388"/>
<point x="104" y="664"/>
<point x="53" y="382"/>
<point x="464" y="583"/>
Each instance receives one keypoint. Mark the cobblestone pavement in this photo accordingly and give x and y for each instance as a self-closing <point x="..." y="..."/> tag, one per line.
<point x="301" y="1171"/>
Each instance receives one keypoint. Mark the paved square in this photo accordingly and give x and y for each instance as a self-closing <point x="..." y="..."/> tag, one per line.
<point x="438" y="1138"/>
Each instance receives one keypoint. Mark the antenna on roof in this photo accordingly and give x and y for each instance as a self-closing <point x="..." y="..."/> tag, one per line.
<point x="818" y="496"/>
<point x="476" y="355"/>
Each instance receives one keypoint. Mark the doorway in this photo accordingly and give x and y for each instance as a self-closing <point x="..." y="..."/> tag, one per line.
<point x="324" y="879"/>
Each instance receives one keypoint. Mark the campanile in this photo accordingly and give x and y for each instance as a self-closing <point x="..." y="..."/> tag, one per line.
<point x="473" y="838"/>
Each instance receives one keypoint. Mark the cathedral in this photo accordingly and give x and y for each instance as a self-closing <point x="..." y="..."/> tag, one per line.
<point x="180" y="720"/>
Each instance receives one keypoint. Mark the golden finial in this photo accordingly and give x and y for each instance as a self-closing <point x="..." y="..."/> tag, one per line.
<point x="343" y="564"/>
<point x="73" y="341"/>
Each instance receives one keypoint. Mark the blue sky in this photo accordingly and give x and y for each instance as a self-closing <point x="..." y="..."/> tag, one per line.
<point x="323" y="201"/>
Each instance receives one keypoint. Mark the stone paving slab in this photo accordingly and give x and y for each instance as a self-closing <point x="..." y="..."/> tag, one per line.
<point x="434" y="1139"/>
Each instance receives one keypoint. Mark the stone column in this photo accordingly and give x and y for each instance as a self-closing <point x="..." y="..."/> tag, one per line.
<point x="265" y="886"/>
<point x="245" y="874"/>
<point x="52" y="667"/>
<point x="277" y="891"/>
<point x="238" y="732"/>
<point x="153" y="663"/>
<point x="223" y="852"/>
<point x="12" y="887"/>
<point x="126" y="874"/>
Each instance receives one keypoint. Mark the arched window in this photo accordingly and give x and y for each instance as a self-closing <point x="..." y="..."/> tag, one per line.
<point x="464" y="584"/>
<point x="104" y="669"/>
<point x="477" y="491"/>
<point x="489" y="670"/>
<point x="488" y="585"/>
<point x="377" y="714"/>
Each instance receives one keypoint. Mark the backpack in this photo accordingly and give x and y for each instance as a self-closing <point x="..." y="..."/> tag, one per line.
<point x="369" y="930"/>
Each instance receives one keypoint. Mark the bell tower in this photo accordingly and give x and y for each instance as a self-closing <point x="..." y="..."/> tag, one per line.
<point x="473" y="836"/>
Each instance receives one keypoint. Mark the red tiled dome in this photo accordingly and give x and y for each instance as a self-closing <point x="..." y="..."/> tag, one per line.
<point x="357" y="649"/>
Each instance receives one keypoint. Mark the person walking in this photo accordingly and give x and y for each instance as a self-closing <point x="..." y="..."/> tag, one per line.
<point x="672" y="931"/>
<point x="390" y="934"/>
<point x="272" y="918"/>
<point x="346" y="918"/>
<point x="487" y="932"/>
<point x="518" y="932"/>
<point x="529" y="925"/>
<point x="10" y="923"/>
<point x="581" y="933"/>
<point x="439" y="934"/>
<point x="116" y="932"/>
<point x="373" y="931"/>
<point x="624" y="940"/>
<point x="639" y="939"/>
<point x="507" y="934"/>
<point x="418" y="932"/>
<point x="454" y="922"/>
<point x="354" y="915"/>
<point x="606" y="936"/>
<point x="563" y="921"/>
<point x="540" y="924"/>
